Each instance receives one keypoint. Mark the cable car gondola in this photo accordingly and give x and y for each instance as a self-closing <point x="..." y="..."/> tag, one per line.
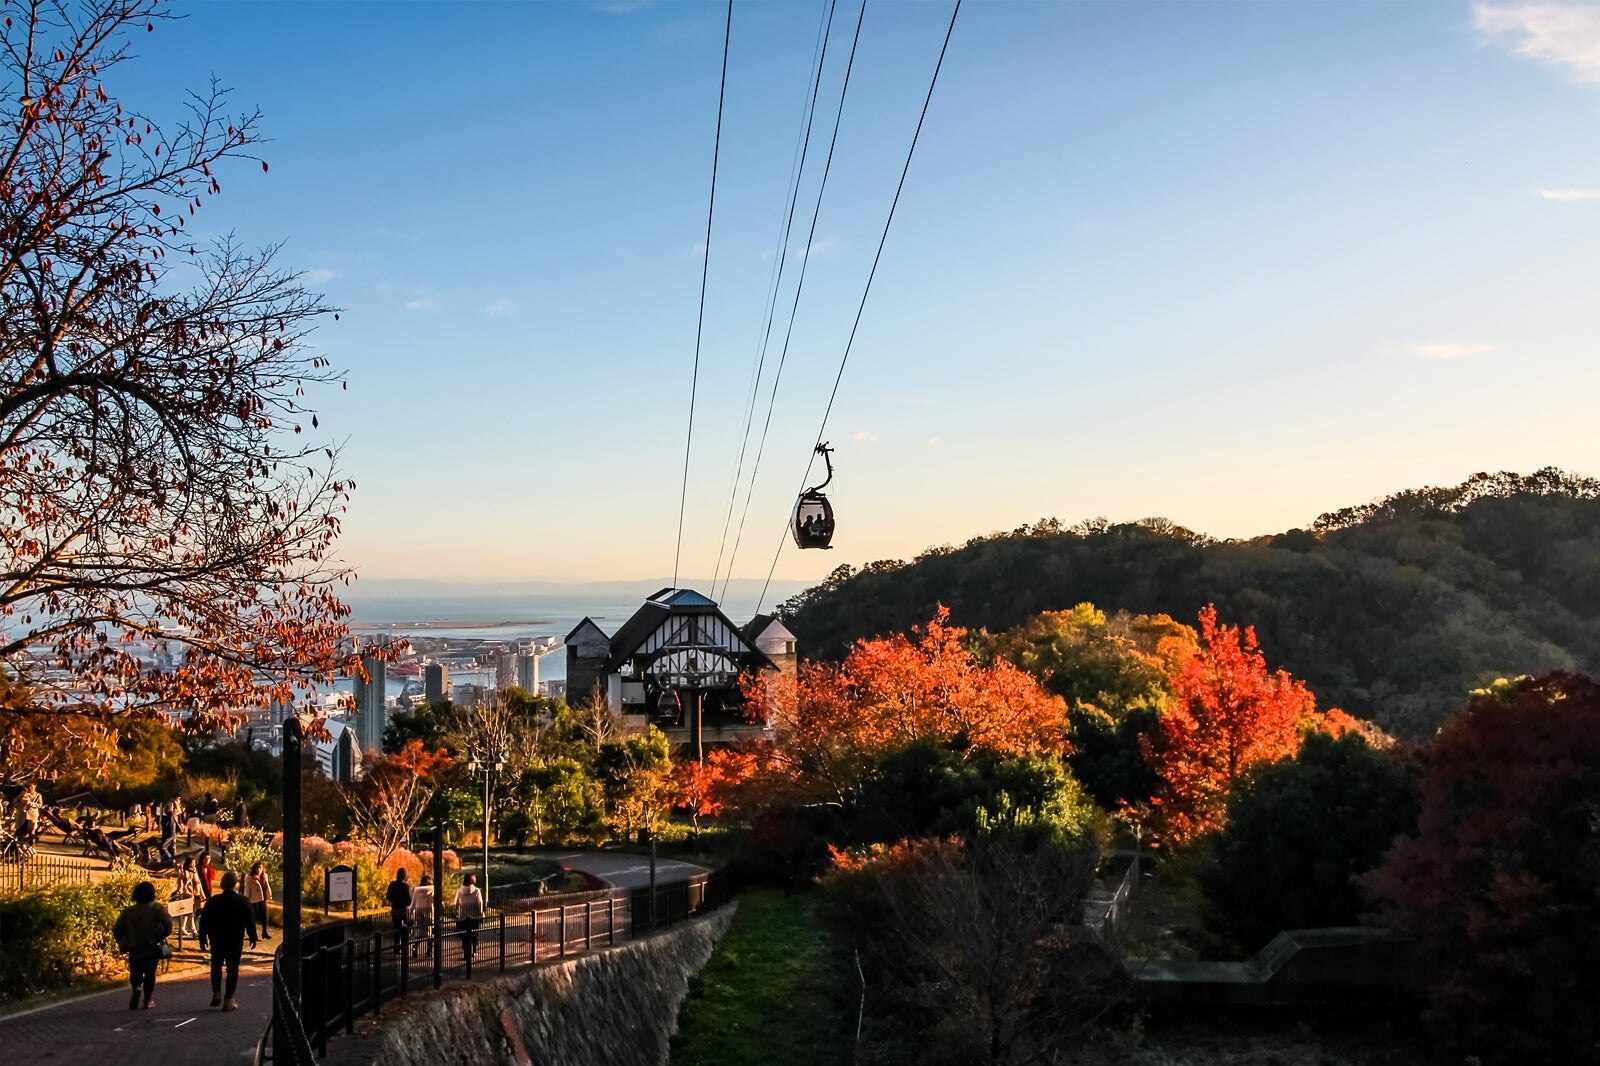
<point x="669" y="708"/>
<point x="812" y="524"/>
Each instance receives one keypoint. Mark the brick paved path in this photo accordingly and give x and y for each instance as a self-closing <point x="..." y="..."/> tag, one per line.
<point x="181" y="1029"/>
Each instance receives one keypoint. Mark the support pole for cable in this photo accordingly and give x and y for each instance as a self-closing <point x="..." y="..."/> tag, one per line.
<point x="705" y="267"/>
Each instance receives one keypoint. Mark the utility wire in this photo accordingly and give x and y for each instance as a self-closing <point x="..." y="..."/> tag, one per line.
<point x="821" y="429"/>
<point x="805" y="262"/>
<point x="796" y="173"/>
<point x="705" y="267"/>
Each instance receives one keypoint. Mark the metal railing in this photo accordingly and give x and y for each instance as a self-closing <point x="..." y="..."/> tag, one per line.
<point x="1103" y="913"/>
<point x="353" y="968"/>
<point x="42" y="871"/>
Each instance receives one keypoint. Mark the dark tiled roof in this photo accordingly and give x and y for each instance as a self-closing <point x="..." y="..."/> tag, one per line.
<point x="753" y="628"/>
<point x="664" y="604"/>
<point x="587" y="621"/>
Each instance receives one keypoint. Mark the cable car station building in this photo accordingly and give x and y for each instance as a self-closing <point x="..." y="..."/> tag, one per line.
<point x="676" y="663"/>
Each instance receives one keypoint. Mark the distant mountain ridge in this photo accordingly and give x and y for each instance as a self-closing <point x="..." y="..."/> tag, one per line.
<point x="1393" y="610"/>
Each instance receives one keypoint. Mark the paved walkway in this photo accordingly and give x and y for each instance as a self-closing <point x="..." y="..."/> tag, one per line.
<point x="98" y="1029"/>
<point x="627" y="871"/>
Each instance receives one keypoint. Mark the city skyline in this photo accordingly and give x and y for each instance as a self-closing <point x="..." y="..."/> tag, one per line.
<point x="1231" y="264"/>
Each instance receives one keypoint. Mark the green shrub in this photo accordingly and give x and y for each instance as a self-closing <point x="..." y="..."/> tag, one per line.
<point x="246" y="847"/>
<point x="1299" y="833"/>
<point x="373" y="878"/>
<point x="57" y="936"/>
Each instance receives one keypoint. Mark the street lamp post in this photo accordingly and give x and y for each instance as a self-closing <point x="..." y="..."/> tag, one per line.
<point x="437" y="947"/>
<point x="488" y="763"/>
<point x="289" y="925"/>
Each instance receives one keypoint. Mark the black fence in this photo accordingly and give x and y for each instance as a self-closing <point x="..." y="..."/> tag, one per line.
<point x="351" y="969"/>
<point x="42" y="871"/>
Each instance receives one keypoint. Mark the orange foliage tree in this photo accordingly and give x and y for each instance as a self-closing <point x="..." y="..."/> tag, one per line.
<point x="389" y="801"/>
<point x="708" y="787"/>
<point x="161" y="486"/>
<point x="1230" y="713"/>
<point x="832" y="724"/>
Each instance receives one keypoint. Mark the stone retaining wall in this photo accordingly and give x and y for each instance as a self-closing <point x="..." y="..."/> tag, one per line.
<point x="617" y="1007"/>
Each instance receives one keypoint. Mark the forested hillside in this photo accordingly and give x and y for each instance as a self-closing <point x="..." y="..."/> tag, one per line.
<point x="1393" y="610"/>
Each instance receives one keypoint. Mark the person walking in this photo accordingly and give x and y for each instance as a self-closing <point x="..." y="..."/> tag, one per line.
<point x="241" y="814"/>
<point x="422" y="915"/>
<point x="188" y="888"/>
<point x="225" y="920"/>
<point x="180" y="820"/>
<point x="168" y="823"/>
<point x="399" y="899"/>
<point x="141" y="931"/>
<point x="207" y="872"/>
<point x="258" y="890"/>
<point x="469" y="915"/>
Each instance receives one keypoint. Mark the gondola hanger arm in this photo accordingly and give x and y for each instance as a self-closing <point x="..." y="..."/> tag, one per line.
<point x="827" y="457"/>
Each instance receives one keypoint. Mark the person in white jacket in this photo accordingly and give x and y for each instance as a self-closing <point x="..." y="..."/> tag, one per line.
<point x="422" y="915"/>
<point x="469" y="915"/>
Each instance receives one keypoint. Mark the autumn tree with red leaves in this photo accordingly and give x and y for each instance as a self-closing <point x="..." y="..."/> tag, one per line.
<point x="706" y="787"/>
<point x="1230" y="713"/>
<point x="158" y="481"/>
<point x="832" y="724"/>
<point x="1498" y="886"/>
<point x="390" y="799"/>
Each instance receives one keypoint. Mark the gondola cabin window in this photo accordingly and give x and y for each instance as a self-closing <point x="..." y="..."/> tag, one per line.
<point x="812" y="523"/>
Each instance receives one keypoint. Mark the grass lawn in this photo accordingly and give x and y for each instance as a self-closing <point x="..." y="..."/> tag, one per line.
<point x="776" y="990"/>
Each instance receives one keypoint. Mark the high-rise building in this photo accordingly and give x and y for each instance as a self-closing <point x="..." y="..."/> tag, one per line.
<point x="372" y="706"/>
<point x="436" y="683"/>
<point x="505" y="668"/>
<point x="528" y="672"/>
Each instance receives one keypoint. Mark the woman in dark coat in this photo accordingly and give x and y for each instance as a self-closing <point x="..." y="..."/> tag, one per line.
<point x="141" y="930"/>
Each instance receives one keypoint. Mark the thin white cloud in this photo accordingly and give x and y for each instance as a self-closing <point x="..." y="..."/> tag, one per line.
<point x="320" y="276"/>
<point x="407" y="236"/>
<point x="698" y="249"/>
<point x="816" y="248"/>
<point x="422" y="305"/>
<point x="1563" y="35"/>
<point x="502" y="307"/>
<point x="1569" y="196"/>
<point x="1448" y="349"/>
<point x="933" y="442"/>
<point x="865" y="437"/>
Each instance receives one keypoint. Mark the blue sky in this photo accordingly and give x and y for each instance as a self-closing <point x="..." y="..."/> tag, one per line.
<point x="1234" y="264"/>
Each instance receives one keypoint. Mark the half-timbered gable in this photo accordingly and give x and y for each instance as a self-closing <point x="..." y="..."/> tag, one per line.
<point x="676" y="662"/>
